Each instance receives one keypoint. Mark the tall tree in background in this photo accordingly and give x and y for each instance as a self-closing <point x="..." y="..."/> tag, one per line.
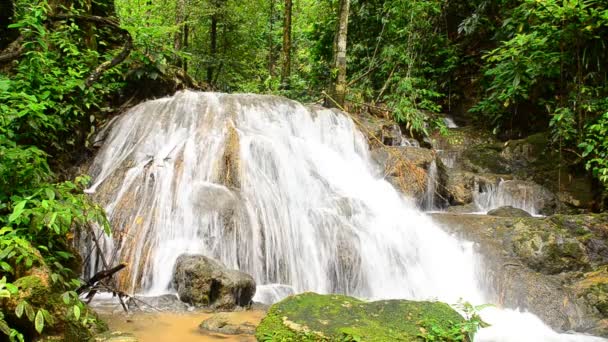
<point x="338" y="84"/>
<point x="180" y="40"/>
<point x="213" y="41"/>
<point x="270" y="40"/>
<point x="286" y="45"/>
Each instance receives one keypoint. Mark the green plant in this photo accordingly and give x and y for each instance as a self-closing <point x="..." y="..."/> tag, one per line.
<point x="464" y="331"/>
<point x="595" y="148"/>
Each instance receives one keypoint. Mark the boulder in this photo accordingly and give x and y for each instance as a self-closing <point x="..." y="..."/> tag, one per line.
<point x="538" y="264"/>
<point x="509" y="211"/>
<point x="221" y="323"/>
<point x="314" y="317"/>
<point x="406" y="168"/>
<point x="461" y="186"/>
<point x="202" y="281"/>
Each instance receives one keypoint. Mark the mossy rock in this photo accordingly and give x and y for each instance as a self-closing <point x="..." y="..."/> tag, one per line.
<point x="314" y="317"/>
<point x="37" y="290"/>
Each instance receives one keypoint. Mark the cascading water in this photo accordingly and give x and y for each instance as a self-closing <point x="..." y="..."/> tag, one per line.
<point x="449" y="122"/>
<point x="431" y="187"/>
<point x="283" y="192"/>
<point x="492" y="196"/>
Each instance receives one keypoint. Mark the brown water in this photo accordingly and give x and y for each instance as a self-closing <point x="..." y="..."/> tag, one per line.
<point x="179" y="327"/>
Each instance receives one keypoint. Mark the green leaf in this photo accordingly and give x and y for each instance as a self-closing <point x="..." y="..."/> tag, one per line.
<point x="29" y="311"/>
<point x="12" y="288"/>
<point x="5" y="328"/>
<point x="39" y="322"/>
<point x="76" y="312"/>
<point x="19" y="208"/>
<point x="66" y="298"/>
<point x="50" y="194"/>
<point x="19" y="309"/>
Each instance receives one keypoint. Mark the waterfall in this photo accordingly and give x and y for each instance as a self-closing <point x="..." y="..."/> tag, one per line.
<point x="431" y="187"/>
<point x="492" y="196"/>
<point x="284" y="192"/>
<point x="449" y="122"/>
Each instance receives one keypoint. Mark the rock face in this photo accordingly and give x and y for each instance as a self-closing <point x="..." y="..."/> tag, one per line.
<point x="378" y="130"/>
<point x="554" y="267"/>
<point x="407" y="168"/>
<point x="314" y="317"/>
<point x="509" y="211"/>
<point x="202" y="281"/>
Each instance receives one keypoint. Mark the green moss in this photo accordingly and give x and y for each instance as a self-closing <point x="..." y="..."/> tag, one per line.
<point x="313" y="317"/>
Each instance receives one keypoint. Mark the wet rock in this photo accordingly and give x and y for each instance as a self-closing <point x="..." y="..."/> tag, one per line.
<point x="202" y="281"/>
<point x="380" y="130"/>
<point x="461" y="186"/>
<point x="406" y="168"/>
<point x="509" y="211"/>
<point x="114" y="336"/>
<point x="168" y="302"/>
<point x="463" y="209"/>
<point x="220" y="323"/>
<point x="314" y="317"/>
<point x="459" y="139"/>
<point x="485" y="158"/>
<point x="536" y="264"/>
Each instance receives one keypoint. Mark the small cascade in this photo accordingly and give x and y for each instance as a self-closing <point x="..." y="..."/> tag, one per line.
<point x="492" y="196"/>
<point x="431" y="187"/>
<point x="449" y="122"/>
<point x="284" y="192"/>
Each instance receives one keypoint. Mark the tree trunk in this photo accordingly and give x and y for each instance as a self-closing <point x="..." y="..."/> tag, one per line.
<point x="178" y="40"/>
<point x="213" y="48"/>
<point x="89" y="28"/>
<point x="271" y="41"/>
<point x="185" y="46"/>
<point x="285" y="75"/>
<point x="338" y="85"/>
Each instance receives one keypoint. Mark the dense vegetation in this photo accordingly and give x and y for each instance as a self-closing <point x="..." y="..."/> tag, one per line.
<point x="515" y="67"/>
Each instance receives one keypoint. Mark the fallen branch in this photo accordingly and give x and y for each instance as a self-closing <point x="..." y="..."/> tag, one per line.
<point x="15" y="50"/>
<point x="99" y="276"/>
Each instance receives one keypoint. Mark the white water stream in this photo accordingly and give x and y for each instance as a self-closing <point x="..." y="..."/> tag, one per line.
<point x="283" y="192"/>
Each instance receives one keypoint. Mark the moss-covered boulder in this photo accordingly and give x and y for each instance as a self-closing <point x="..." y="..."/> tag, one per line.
<point x="314" y="317"/>
<point x="37" y="289"/>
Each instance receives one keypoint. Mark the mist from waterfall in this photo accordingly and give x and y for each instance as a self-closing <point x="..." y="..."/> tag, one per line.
<point x="284" y="192"/>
